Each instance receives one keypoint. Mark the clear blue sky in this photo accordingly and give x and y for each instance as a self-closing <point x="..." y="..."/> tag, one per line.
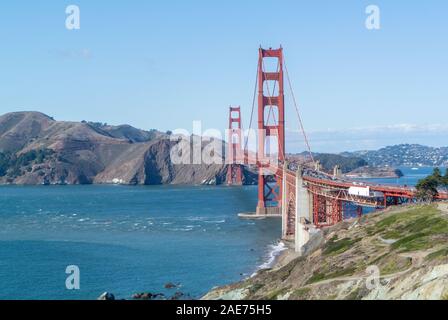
<point x="163" y="64"/>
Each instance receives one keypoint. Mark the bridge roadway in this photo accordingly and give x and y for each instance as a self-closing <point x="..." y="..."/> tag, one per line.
<point x="323" y="184"/>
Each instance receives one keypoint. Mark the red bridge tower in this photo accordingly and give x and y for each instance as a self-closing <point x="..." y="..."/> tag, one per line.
<point x="234" y="152"/>
<point x="271" y="127"/>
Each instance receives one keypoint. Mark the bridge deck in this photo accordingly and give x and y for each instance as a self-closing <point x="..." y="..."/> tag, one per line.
<point x="325" y="181"/>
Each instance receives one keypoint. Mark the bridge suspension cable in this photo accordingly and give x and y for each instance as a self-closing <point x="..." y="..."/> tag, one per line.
<point x="298" y="113"/>
<point x="252" y="111"/>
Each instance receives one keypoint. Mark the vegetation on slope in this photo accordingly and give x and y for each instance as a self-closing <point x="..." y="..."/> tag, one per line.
<point x="428" y="188"/>
<point x="86" y="152"/>
<point x="407" y="245"/>
<point x="12" y="165"/>
<point x="347" y="164"/>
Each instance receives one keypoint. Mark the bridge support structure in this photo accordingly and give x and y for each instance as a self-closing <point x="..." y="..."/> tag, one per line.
<point x="326" y="211"/>
<point x="289" y="205"/>
<point x="270" y="104"/>
<point x="303" y="212"/>
<point x="234" y="151"/>
<point x="296" y="211"/>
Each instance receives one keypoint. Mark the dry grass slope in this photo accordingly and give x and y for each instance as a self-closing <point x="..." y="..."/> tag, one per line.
<point x="409" y="246"/>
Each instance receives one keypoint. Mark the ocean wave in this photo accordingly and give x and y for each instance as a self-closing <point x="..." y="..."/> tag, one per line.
<point x="181" y="229"/>
<point x="274" y="251"/>
<point x="206" y="219"/>
<point x="195" y="218"/>
<point x="217" y="221"/>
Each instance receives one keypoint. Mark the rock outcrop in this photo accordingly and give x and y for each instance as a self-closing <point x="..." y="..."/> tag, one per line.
<point x="106" y="296"/>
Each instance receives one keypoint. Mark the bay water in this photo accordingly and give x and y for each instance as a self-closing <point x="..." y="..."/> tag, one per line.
<point x="411" y="176"/>
<point x="134" y="239"/>
<point x="128" y="239"/>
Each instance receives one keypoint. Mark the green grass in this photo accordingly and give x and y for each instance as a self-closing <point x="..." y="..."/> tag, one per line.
<point x="341" y="273"/>
<point x="414" y="242"/>
<point x="393" y="264"/>
<point x="414" y="229"/>
<point x="316" y="277"/>
<point x="334" y="238"/>
<point x="319" y="276"/>
<point x="253" y="289"/>
<point x="370" y="231"/>
<point x="354" y="295"/>
<point x="274" y="295"/>
<point x="285" y="272"/>
<point x="443" y="253"/>
<point x="392" y="235"/>
<point x="387" y="222"/>
<point x="300" y="293"/>
<point x="336" y="247"/>
<point x="408" y="216"/>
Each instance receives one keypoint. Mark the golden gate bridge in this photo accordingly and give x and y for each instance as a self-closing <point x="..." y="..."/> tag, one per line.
<point x="302" y="196"/>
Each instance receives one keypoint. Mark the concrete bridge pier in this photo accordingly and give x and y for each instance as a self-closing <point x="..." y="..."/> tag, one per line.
<point x="303" y="212"/>
<point x="285" y="201"/>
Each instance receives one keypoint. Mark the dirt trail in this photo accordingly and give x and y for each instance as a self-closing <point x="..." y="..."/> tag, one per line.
<point x="443" y="207"/>
<point x="356" y="278"/>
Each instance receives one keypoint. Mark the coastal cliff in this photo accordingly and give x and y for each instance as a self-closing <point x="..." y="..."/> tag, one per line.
<point x="36" y="149"/>
<point x="407" y="246"/>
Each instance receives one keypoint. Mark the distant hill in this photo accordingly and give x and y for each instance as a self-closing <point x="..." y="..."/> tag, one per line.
<point x="36" y="149"/>
<point x="126" y="132"/>
<point x="404" y="155"/>
<point x="346" y="163"/>
<point x="365" y="162"/>
<point x="328" y="161"/>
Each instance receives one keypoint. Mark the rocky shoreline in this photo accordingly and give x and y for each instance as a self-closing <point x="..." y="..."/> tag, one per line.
<point x="282" y="259"/>
<point x="176" y="294"/>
